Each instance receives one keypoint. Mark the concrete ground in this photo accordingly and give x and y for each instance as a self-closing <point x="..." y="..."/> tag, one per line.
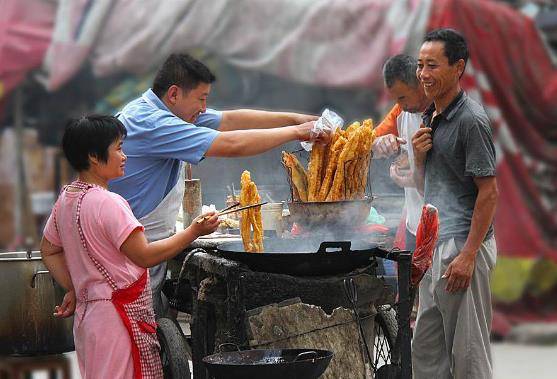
<point x="517" y="361"/>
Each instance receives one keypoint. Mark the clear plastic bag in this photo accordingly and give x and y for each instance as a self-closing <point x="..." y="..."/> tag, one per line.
<point x="328" y="122"/>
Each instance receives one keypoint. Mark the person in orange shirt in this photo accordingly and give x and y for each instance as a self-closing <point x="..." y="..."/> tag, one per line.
<point x="398" y="127"/>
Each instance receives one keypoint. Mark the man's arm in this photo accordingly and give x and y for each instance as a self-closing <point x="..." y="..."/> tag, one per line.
<point x="421" y="143"/>
<point x="388" y="125"/>
<point x="244" y="143"/>
<point x="387" y="142"/>
<point x="241" y="119"/>
<point x="460" y="270"/>
<point x="484" y="211"/>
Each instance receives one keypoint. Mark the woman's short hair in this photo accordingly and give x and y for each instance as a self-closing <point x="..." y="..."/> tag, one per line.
<point x="90" y="136"/>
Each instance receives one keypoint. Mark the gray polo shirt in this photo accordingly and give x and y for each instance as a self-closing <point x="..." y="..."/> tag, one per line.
<point x="462" y="150"/>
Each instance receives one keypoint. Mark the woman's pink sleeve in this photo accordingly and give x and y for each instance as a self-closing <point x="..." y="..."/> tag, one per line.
<point x="50" y="231"/>
<point x="117" y="220"/>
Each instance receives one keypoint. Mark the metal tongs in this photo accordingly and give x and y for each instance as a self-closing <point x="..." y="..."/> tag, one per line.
<point x="229" y="209"/>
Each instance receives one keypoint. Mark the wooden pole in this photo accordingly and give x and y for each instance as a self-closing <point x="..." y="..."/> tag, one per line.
<point x="192" y="202"/>
<point x="25" y="221"/>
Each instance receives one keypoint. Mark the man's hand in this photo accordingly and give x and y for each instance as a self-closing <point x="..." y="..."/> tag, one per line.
<point x="67" y="308"/>
<point x="460" y="271"/>
<point x="299" y="118"/>
<point x="386" y="145"/>
<point x="403" y="178"/>
<point x="422" y="143"/>
<point x="305" y="134"/>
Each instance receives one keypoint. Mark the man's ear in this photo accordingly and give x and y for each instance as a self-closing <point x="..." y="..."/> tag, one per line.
<point x="460" y="66"/>
<point x="172" y="94"/>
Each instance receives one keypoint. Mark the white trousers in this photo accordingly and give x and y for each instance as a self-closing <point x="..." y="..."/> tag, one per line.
<point x="451" y="337"/>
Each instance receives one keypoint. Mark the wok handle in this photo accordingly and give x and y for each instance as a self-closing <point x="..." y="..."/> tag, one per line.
<point x="306" y="355"/>
<point x="344" y="246"/>
<point x="227" y="344"/>
<point x="34" y="277"/>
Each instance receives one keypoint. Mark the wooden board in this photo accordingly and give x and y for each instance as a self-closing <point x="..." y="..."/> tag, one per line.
<point x="300" y="325"/>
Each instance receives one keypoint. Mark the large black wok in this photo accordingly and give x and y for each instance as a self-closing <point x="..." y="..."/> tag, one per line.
<point x="302" y="257"/>
<point x="269" y="364"/>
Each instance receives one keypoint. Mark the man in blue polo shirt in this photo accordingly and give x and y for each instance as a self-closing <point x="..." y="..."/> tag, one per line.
<point x="170" y="124"/>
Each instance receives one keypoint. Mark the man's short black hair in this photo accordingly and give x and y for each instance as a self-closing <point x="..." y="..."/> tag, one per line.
<point x="90" y="136"/>
<point x="400" y="67"/>
<point x="455" y="44"/>
<point x="182" y="70"/>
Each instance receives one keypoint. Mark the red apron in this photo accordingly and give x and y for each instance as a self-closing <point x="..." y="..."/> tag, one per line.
<point x="135" y="307"/>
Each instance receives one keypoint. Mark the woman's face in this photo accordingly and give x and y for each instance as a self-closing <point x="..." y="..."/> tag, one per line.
<point x="114" y="166"/>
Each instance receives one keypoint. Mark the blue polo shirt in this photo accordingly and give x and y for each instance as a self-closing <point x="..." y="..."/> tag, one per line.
<point x="156" y="143"/>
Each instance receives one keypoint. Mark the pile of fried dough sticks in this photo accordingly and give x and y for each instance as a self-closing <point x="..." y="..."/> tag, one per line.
<point x="337" y="171"/>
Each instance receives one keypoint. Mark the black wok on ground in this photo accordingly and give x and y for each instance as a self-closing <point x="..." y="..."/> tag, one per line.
<point x="269" y="364"/>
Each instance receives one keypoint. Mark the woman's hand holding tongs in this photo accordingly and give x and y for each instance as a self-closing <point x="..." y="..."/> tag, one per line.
<point x="205" y="224"/>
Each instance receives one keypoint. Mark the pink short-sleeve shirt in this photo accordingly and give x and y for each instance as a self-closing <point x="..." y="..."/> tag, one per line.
<point x="102" y="343"/>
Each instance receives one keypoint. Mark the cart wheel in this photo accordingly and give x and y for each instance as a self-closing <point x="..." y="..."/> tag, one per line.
<point x="174" y="350"/>
<point x="386" y="329"/>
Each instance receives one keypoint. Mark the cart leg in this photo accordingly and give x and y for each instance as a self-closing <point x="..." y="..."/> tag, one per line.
<point x="404" y="311"/>
<point x="203" y="336"/>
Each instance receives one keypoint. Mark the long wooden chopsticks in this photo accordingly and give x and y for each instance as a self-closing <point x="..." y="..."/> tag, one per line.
<point x="229" y="209"/>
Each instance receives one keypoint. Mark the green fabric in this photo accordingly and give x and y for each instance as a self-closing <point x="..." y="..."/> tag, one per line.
<point x="510" y="278"/>
<point x="543" y="277"/>
<point x="374" y="217"/>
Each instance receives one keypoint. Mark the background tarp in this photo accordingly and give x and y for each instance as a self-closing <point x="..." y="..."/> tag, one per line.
<point x="25" y="32"/>
<point x="327" y="42"/>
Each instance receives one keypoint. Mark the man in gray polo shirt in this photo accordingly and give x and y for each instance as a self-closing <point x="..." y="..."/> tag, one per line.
<point x="455" y="169"/>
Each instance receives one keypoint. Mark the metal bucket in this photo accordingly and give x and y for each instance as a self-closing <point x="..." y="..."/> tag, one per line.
<point x="29" y="295"/>
<point x="271" y="217"/>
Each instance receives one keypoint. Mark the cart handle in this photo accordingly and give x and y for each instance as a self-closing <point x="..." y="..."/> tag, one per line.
<point x="219" y="348"/>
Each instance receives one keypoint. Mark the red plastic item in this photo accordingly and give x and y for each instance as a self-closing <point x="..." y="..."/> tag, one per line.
<point x="426" y="238"/>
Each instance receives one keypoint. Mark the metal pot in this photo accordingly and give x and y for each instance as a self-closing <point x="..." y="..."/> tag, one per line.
<point x="27" y="301"/>
<point x="332" y="215"/>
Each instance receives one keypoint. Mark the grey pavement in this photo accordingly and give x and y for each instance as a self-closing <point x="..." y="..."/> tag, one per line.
<point x="511" y="361"/>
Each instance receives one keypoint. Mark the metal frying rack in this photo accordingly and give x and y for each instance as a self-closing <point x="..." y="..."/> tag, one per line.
<point x="303" y="157"/>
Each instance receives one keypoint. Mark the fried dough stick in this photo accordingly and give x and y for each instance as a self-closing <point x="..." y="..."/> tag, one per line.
<point x="334" y="154"/>
<point x="298" y="176"/>
<point x="256" y="221"/>
<point x="315" y="171"/>
<point x="365" y="156"/>
<point x="348" y="153"/>
<point x="251" y="218"/>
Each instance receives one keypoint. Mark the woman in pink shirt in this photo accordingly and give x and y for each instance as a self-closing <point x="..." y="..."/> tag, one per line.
<point x="96" y="249"/>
